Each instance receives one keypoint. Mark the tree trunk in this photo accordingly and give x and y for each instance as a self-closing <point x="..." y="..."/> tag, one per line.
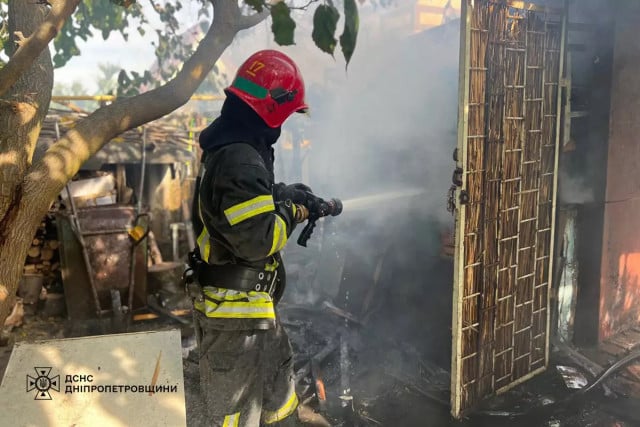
<point x="24" y="106"/>
<point x="22" y="110"/>
<point x="19" y="235"/>
<point x="30" y="195"/>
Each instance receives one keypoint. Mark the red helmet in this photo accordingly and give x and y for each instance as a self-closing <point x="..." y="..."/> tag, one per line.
<point x="271" y="84"/>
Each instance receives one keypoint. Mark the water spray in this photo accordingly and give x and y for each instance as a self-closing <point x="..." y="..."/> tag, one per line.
<point x="319" y="208"/>
<point x="376" y="199"/>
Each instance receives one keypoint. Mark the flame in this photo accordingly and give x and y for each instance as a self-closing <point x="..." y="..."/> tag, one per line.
<point x="288" y="145"/>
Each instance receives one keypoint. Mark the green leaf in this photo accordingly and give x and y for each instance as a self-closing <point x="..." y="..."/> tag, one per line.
<point x="282" y="26"/>
<point x="123" y="79"/>
<point x="257" y="5"/>
<point x="325" y="21"/>
<point x="350" y="32"/>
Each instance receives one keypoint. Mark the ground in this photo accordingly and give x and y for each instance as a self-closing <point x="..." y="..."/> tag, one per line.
<point x="385" y="381"/>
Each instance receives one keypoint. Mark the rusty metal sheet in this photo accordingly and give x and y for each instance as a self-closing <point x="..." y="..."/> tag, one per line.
<point x="109" y="248"/>
<point x="509" y="116"/>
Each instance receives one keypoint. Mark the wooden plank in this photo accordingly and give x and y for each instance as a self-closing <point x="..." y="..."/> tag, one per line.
<point x="612" y="349"/>
<point x="554" y="199"/>
<point x="634" y="371"/>
<point x="459" y="235"/>
<point x="632" y="335"/>
<point x="150" y="316"/>
<point x="623" y="341"/>
<point x="121" y="184"/>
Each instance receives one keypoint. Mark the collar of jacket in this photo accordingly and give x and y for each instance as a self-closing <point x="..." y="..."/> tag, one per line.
<point x="239" y="123"/>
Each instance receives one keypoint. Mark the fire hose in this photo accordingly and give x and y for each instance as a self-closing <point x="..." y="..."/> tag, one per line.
<point x="582" y="392"/>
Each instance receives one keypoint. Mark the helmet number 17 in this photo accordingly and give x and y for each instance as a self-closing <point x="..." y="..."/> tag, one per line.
<point x="254" y="68"/>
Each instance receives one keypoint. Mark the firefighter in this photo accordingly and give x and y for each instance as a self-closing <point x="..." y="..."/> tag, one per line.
<point x="243" y="220"/>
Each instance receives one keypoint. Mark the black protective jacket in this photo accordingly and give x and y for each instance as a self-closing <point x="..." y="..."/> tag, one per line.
<point x="233" y="202"/>
<point x="236" y="208"/>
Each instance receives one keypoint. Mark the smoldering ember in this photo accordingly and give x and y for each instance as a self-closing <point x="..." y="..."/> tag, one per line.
<point x="445" y="235"/>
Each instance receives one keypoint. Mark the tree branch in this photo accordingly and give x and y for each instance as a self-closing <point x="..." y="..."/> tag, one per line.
<point x="304" y="7"/>
<point x="248" y="21"/>
<point x="29" y="48"/>
<point x="63" y="160"/>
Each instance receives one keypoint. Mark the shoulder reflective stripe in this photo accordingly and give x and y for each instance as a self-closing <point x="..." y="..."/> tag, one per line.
<point x="279" y="235"/>
<point x="231" y="420"/>
<point x="250" y="208"/>
<point x="284" y="411"/>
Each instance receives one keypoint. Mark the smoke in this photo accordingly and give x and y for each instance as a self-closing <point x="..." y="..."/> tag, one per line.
<point x="574" y="189"/>
<point x="386" y="125"/>
<point x="389" y="123"/>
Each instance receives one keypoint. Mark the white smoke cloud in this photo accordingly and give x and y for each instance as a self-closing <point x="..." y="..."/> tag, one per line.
<point x="389" y="122"/>
<point x="574" y="189"/>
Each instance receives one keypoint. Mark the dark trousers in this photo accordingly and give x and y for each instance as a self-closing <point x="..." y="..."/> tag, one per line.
<point x="247" y="376"/>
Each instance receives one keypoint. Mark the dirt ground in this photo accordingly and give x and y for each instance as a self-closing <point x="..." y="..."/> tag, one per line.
<point x="390" y="400"/>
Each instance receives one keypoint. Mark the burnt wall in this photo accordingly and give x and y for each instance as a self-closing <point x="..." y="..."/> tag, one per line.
<point x="620" y="268"/>
<point x="583" y="175"/>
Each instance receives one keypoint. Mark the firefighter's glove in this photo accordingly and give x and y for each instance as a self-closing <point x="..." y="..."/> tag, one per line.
<point x="301" y="213"/>
<point x="297" y="193"/>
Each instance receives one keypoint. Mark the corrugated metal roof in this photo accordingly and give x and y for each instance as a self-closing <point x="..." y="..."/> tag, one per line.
<point x="168" y="141"/>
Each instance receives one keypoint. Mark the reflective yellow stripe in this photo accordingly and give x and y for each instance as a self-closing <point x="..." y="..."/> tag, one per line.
<point x="236" y="310"/>
<point x="250" y="208"/>
<point x="229" y="303"/>
<point x="231" y="420"/>
<point x="279" y="235"/>
<point x="270" y="417"/>
<point x="220" y="294"/>
<point x="204" y="241"/>
<point x="204" y="244"/>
